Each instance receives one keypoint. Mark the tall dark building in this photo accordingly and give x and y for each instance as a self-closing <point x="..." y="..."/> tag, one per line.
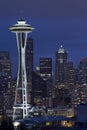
<point x="39" y="90"/>
<point x="5" y="80"/>
<point x="5" y="63"/>
<point x="29" y="66"/>
<point x="5" y="68"/>
<point x="62" y="80"/>
<point x="71" y="73"/>
<point x="61" y="75"/>
<point x="82" y="75"/>
<point x="79" y="94"/>
<point x="45" y="65"/>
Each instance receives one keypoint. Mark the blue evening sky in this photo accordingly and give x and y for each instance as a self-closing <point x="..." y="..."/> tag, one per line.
<point x="56" y="22"/>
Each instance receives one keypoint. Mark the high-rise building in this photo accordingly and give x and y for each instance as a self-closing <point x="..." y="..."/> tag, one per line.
<point x="5" y="63"/>
<point x="5" y="80"/>
<point x="45" y="65"/>
<point x="39" y="90"/>
<point x="79" y="93"/>
<point x="71" y="73"/>
<point x="29" y="67"/>
<point x="82" y="71"/>
<point x="61" y="71"/>
<point x="62" y="79"/>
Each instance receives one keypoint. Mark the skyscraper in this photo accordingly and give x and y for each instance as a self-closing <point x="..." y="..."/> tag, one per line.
<point x="71" y="73"/>
<point x="61" y="66"/>
<point x="61" y="77"/>
<point x="46" y="68"/>
<point x="45" y="65"/>
<point x="5" y="68"/>
<point x="79" y="93"/>
<point x="29" y="67"/>
<point x="5" y="63"/>
<point x="5" y="80"/>
<point x="82" y="71"/>
<point x="21" y="29"/>
<point x="39" y="90"/>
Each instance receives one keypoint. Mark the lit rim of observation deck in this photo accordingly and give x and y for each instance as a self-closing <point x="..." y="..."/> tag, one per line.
<point x="21" y="26"/>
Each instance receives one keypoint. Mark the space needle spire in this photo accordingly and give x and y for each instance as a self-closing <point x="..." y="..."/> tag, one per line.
<point x="21" y="29"/>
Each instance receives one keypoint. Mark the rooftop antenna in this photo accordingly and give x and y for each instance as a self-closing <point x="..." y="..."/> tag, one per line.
<point x="60" y="43"/>
<point x="21" y="15"/>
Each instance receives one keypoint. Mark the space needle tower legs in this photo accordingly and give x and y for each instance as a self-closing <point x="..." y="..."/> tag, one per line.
<point x="21" y="29"/>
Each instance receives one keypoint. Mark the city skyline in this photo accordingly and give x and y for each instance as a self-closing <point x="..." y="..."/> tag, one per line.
<point x="56" y="23"/>
<point x="56" y="46"/>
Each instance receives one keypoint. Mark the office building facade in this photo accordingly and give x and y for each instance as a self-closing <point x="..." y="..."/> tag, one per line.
<point x="5" y="81"/>
<point x="61" y="72"/>
<point x="45" y="65"/>
<point x="29" y="67"/>
<point x="62" y="80"/>
<point x="45" y="71"/>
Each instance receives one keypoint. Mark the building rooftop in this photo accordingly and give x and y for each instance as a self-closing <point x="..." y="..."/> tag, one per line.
<point x="61" y="49"/>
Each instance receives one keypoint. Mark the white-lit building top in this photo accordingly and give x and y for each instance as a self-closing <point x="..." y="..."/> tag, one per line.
<point x="61" y="49"/>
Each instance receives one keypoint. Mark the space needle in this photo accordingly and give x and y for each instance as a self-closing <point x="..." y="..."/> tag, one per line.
<point x="21" y="29"/>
